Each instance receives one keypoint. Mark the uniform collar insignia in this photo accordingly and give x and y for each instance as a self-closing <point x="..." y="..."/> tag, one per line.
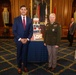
<point x="55" y="25"/>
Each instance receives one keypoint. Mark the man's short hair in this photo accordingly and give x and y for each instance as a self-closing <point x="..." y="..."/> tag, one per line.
<point x="23" y="6"/>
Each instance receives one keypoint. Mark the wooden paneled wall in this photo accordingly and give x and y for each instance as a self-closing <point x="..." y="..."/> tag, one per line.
<point x="62" y="8"/>
<point x="15" y="5"/>
<point x="63" y="12"/>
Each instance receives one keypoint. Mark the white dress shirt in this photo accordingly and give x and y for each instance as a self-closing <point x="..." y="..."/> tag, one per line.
<point x="25" y="24"/>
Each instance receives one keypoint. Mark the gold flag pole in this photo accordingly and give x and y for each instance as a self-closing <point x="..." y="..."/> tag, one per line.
<point x="31" y="8"/>
<point x="50" y="6"/>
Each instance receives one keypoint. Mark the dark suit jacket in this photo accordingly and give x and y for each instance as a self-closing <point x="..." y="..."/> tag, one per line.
<point x="19" y="31"/>
<point x="72" y="29"/>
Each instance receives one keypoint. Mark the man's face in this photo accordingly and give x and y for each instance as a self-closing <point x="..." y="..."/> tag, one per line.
<point x="72" y="19"/>
<point x="52" y="18"/>
<point x="23" y="11"/>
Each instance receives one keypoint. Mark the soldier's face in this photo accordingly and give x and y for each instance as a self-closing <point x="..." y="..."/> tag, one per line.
<point x="52" y="18"/>
<point x="23" y="11"/>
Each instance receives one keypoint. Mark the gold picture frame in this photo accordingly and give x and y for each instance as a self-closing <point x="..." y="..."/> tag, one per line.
<point x="32" y="4"/>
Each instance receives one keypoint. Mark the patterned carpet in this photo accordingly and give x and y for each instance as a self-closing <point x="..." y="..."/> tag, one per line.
<point x="66" y="64"/>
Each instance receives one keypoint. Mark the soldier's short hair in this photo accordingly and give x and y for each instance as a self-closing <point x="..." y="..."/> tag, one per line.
<point x="52" y="14"/>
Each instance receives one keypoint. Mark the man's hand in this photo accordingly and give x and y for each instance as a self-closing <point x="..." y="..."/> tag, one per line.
<point x="71" y="33"/>
<point x="56" y="46"/>
<point x="23" y="40"/>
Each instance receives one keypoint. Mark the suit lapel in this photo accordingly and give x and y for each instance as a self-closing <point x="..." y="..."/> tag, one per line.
<point x="26" y="21"/>
<point x="20" y="22"/>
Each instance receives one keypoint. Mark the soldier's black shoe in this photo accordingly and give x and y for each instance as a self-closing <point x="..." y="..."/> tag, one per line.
<point x="52" y="69"/>
<point x="49" y="68"/>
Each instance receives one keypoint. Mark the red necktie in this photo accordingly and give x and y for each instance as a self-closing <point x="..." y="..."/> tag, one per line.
<point x="24" y="22"/>
<point x="70" y="25"/>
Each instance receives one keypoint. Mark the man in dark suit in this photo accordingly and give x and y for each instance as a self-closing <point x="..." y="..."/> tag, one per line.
<point x="22" y="30"/>
<point x="71" y="31"/>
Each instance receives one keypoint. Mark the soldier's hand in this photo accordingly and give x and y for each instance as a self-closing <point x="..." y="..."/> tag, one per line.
<point x="44" y="44"/>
